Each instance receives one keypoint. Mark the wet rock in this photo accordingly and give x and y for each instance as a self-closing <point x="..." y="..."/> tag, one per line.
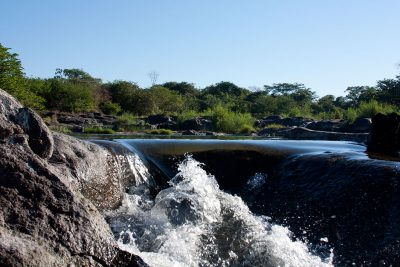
<point x="328" y="126"/>
<point x="157" y="119"/>
<point x="47" y="218"/>
<point x="288" y="122"/>
<point x="385" y="134"/>
<point x="360" y="125"/>
<point x="300" y="133"/>
<point x="196" y="124"/>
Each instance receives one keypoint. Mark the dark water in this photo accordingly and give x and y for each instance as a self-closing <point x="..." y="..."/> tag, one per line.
<point x="260" y="203"/>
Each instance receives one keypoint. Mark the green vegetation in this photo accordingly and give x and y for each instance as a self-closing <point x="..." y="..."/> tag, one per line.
<point x="98" y="130"/>
<point x="60" y="129"/>
<point x="233" y="109"/>
<point x="275" y="126"/>
<point x="161" y="131"/>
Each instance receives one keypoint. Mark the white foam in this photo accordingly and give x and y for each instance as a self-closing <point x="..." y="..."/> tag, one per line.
<point x="194" y="223"/>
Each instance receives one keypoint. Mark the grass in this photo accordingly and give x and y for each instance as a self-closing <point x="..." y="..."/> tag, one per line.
<point x="228" y="121"/>
<point x="60" y="129"/>
<point x="275" y="126"/>
<point x="161" y="132"/>
<point x="98" y="130"/>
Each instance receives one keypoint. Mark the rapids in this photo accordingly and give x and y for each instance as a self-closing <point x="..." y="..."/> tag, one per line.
<point x="258" y="203"/>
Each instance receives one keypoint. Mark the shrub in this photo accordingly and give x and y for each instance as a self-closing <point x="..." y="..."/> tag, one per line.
<point x="229" y="121"/>
<point x="275" y="126"/>
<point x="162" y="131"/>
<point x="247" y="129"/>
<point x="369" y="109"/>
<point x="98" y="130"/>
<point x="110" y="108"/>
<point x="127" y="118"/>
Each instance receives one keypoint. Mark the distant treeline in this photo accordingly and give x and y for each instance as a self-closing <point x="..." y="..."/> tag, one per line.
<point x="74" y="90"/>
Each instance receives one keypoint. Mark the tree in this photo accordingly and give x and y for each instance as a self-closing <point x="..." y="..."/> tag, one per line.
<point x="357" y="94"/>
<point x="389" y="90"/>
<point x="12" y="79"/>
<point x="167" y="101"/>
<point x="285" y="89"/>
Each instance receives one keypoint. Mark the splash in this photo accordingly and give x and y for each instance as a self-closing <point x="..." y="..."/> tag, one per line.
<point x="194" y="223"/>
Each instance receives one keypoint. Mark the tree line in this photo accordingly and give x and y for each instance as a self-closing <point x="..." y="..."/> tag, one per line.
<point x="74" y="90"/>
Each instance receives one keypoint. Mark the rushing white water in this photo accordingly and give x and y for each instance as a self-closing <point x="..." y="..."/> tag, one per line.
<point x="194" y="223"/>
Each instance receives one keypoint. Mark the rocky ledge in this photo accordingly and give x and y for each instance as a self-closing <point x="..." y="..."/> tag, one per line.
<point x="53" y="190"/>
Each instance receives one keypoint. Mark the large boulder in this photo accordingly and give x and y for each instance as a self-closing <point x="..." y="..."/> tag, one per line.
<point x="360" y="125"/>
<point x="46" y="218"/>
<point x="385" y="134"/>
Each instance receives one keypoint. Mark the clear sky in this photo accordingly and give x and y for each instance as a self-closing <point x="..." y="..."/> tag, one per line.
<point x="325" y="44"/>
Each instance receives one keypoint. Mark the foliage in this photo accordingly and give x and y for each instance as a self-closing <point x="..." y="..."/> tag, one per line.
<point x="373" y="107"/>
<point x="231" y="122"/>
<point x="275" y="126"/>
<point x="60" y="129"/>
<point x="98" y="130"/>
<point x="110" y="108"/>
<point x="161" y="132"/>
<point x="12" y="79"/>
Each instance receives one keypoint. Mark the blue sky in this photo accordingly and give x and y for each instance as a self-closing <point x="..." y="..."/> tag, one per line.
<point x="327" y="45"/>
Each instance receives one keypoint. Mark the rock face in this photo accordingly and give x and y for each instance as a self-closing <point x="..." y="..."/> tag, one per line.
<point x="46" y="219"/>
<point x="385" y="134"/>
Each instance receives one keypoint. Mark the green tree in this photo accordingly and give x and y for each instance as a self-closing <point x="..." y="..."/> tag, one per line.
<point x="167" y="101"/>
<point x="357" y="94"/>
<point x="12" y="79"/>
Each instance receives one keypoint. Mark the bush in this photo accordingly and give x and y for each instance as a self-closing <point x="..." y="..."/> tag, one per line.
<point x="231" y="122"/>
<point x="110" y="108"/>
<point x="373" y="107"/>
<point x="247" y="129"/>
<point x="350" y="115"/>
<point x="162" y="132"/>
<point x="98" y="130"/>
<point x="275" y="126"/>
<point x="127" y="118"/>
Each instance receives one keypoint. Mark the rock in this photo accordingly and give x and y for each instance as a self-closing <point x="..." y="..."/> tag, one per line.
<point x="272" y="132"/>
<point x="327" y="126"/>
<point x="277" y="119"/>
<point x="300" y="133"/>
<point x="360" y="125"/>
<point x="40" y="137"/>
<point x="47" y="217"/>
<point x="196" y="124"/>
<point x="385" y="134"/>
<point x="157" y="119"/>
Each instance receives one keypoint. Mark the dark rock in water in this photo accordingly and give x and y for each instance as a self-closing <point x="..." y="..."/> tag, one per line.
<point x="385" y="134"/>
<point x="360" y="125"/>
<point x="157" y="119"/>
<point x="301" y="133"/>
<point x="46" y="219"/>
<point x="327" y="126"/>
<point x="196" y="124"/>
<point x="288" y="122"/>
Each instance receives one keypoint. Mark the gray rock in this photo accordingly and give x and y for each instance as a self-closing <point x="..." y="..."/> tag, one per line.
<point x="48" y="217"/>
<point x="40" y="137"/>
